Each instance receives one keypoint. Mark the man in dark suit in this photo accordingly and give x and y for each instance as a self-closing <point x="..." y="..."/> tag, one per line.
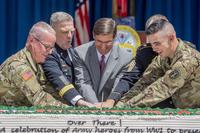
<point x="101" y="63"/>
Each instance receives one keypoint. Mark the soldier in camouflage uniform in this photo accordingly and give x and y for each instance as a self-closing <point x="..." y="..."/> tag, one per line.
<point x="22" y="81"/>
<point x="136" y="68"/>
<point x="174" y="72"/>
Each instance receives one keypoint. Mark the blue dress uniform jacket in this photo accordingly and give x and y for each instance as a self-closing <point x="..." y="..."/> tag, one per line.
<point x="144" y="56"/>
<point x="59" y="71"/>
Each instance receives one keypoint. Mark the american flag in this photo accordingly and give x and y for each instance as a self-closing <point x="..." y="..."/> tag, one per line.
<point x="82" y="22"/>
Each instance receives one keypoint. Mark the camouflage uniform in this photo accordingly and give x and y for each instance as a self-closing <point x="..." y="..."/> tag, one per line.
<point x="178" y="77"/>
<point x="23" y="82"/>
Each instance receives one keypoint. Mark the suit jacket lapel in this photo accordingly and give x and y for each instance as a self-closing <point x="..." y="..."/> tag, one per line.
<point x="94" y="67"/>
<point x="110" y="65"/>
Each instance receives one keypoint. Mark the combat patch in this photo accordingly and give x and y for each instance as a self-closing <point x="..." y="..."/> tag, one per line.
<point x="174" y="74"/>
<point x="27" y="75"/>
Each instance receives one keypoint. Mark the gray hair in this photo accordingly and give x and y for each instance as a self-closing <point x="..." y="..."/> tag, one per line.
<point x="59" y="17"/>
<point x="105" y="26"/>
<point x="154" y="18"/>
<point x="159" y="25"/>
<point x="40" y="28"/>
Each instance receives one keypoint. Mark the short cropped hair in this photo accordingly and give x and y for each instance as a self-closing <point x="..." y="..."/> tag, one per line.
<point x="40" y="28"/>
<point x="105" y="26"/>
<point x="154" y="18"/>
<point x="59" y="17"/>
<point x="156" y="26"/>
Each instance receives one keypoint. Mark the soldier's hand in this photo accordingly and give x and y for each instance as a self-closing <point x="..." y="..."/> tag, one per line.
<point x="120" y="104"/>
<point x="107" y="104"/>
<point x="98" y="105"/>
<point x="81" y="102"/>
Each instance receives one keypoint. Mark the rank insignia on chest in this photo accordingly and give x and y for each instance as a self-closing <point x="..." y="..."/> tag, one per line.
<point x="65" y="68"/>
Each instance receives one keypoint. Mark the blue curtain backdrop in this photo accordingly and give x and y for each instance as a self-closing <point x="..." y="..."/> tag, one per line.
<point x="183" y="14"/>
<point x="17" y="17"/>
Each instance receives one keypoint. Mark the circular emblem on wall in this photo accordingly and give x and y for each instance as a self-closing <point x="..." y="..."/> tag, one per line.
<point x="127" y="37"/>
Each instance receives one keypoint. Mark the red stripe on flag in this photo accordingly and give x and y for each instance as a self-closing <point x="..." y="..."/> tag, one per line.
<point x="78" y="41"/>
<point x="87" y="17"/>
<point x="80" y="14"/>
<point x="82" y="22"/>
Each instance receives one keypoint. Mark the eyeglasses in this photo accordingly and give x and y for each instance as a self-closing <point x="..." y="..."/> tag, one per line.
<point x="105" y="43"/>
<point x="46" y="46"/>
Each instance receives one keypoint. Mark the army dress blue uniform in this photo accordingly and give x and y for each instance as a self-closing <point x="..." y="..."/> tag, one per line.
<point x="59" y="71"/>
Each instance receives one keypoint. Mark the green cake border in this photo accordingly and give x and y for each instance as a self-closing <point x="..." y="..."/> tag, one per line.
<point x="103" y="111"/>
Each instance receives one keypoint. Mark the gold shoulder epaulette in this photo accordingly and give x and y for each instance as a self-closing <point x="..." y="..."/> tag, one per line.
<point x="131" y="65"/>
<point x="144" y="46"/>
